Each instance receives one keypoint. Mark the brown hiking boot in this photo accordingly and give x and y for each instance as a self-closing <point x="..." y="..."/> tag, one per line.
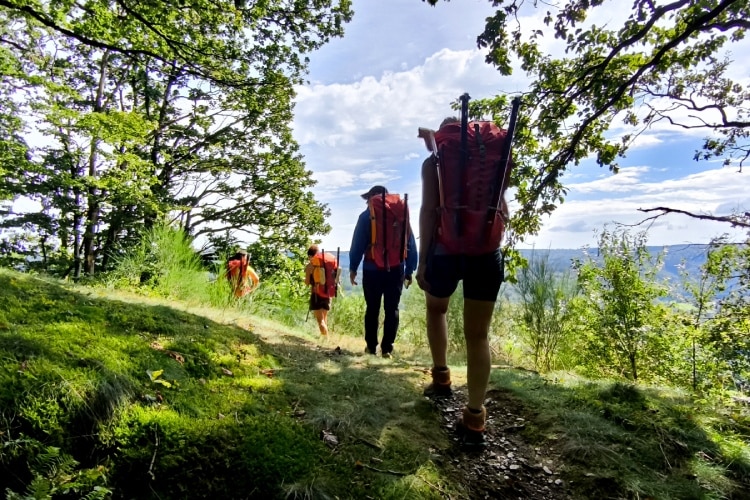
<point x="441" y="383"/>
<point x="470" y="427"/>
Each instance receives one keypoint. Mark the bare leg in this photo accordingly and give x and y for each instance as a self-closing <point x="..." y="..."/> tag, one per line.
<point x="325" y="321"/>
<point x="437" y="329"/>
<point x="321" y="316"/>
<point x="477" y="318"/>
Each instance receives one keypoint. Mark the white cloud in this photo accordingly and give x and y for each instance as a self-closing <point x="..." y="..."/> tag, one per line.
<point x="400" y="66"/>
<point x="715" y="191"/>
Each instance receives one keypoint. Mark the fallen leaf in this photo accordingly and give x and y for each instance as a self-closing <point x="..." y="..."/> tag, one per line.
<point x="176" y="356"/>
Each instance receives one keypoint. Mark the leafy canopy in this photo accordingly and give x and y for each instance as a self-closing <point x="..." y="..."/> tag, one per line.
<point x="665" y="63"/>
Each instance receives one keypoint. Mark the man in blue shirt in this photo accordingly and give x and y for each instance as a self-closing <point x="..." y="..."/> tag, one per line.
<point x="379" y="283"/>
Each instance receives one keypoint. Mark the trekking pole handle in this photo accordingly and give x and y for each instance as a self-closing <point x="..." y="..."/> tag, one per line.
<point x="464" y="127"/>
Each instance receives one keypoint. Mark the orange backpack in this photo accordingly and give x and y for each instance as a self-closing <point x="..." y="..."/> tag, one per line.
<point x="325" y="270"/>
<point x="389" y="230"/>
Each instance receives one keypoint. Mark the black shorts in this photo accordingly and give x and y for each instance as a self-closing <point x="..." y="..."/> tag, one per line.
<point x="482" y="275"/>
<point x="318" y="302"/>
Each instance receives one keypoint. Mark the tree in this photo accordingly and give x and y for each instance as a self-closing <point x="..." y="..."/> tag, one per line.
<point x="666" y="62"/>
<point x="703" y="294"/>
<point x="545" y="317"/>
<point x="724" y="336"/>
<point x="161" y="112"/>
<point x="621" y="290"/>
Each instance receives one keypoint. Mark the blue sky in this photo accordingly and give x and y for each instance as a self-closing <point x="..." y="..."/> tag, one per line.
<point x="400" y="65"/>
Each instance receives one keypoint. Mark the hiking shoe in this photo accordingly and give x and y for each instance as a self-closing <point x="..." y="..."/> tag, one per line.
<point x="387" y="355"/>
<point x="441" y="383"/>
<point x="368" y="351"/>
<point x="470" y="428"/>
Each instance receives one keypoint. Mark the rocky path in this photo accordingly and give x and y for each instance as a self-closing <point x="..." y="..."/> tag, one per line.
<point x="508" y="467"/>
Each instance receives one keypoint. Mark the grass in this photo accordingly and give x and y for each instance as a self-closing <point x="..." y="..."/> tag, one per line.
<point x="114" y="395"/>
<point x="149" y="401"/>
<point x="647" y="442"/>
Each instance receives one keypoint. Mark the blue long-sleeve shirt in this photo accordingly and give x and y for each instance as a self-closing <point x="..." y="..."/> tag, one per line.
<point x="361" y="242"/>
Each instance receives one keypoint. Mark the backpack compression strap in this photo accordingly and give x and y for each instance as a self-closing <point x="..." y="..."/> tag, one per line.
<point x="373" y="228"/>
<point x="385" y="240"/>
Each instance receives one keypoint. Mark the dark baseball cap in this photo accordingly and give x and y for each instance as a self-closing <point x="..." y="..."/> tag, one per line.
<point x="373" y="191"/>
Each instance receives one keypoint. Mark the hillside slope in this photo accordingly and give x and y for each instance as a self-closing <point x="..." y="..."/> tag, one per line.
<point x="112" y="395"/>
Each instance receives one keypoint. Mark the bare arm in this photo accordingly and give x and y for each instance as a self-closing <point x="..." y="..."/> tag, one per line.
<point x="427" y="215"/>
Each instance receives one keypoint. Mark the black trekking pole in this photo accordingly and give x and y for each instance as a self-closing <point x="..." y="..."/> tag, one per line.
<point x="508" y="143"/>
<point x="463" y="158"/>
<point x="497" y="196"/>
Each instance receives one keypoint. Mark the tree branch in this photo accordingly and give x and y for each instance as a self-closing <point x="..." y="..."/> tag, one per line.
<point x="735" y="221"/>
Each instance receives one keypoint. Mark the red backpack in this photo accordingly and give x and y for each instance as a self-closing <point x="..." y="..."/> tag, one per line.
<point x="325" y="270"/>
<point x="474" y="167"/>
<point x="389" y="230"/>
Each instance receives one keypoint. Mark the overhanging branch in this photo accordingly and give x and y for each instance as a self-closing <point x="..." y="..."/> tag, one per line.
<point x="735" y="220"/>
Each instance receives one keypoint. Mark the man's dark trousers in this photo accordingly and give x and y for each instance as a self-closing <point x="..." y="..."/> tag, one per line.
<point x="388" y="286"/>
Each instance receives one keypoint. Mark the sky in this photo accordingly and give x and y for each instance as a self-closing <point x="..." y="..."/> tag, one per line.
<point x="399" y="66"/>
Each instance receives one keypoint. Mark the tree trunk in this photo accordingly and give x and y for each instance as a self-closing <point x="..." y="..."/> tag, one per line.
<point x="109" y="244"/>
<point x="44" y="252"/>
<point x="77" y="268"/>
<point x="92" y="214"/>
<point x="161" y="189"/>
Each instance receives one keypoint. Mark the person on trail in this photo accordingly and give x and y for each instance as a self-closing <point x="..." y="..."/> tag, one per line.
<point x="379" y="282"/>
<point x="320" y="294"/>
<point x="241" y="276"/>
<point x="438" y="274"/>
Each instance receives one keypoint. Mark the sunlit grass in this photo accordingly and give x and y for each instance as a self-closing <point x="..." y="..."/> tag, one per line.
<point x="238" y="396"/>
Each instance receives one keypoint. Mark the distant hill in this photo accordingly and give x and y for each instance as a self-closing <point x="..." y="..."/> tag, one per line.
<point x="675" y="256"/>
<point x="693" y="256"/>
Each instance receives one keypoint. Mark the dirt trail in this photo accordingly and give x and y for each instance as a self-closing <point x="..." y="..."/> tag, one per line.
<point x="509" y="467"/>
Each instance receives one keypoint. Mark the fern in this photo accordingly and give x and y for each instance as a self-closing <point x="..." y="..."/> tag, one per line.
<point x="55" y="472"/>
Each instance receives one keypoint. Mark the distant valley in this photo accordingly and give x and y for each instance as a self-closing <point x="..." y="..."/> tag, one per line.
<point x="689" y="256"/>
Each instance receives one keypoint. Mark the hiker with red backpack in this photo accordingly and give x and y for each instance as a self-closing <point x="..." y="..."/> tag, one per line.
<point x="241" y="276"/>
<point x="461" y="225"/>
<point x="383" y="237"/>
<point x="322" y="275"/>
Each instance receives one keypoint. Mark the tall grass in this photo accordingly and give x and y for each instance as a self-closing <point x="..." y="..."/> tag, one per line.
<point x="165" y="263"/>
